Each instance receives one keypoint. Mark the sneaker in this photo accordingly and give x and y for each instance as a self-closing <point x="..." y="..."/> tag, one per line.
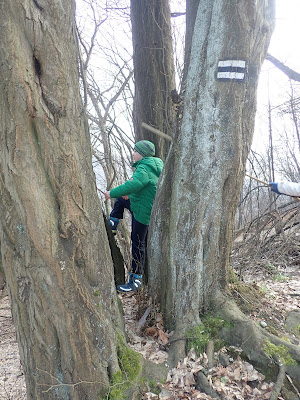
<point x="113" y="222"/>
<point x="134" y="284"/>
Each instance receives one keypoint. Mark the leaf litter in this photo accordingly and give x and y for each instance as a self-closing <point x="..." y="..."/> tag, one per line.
<point x="237" y="381"/>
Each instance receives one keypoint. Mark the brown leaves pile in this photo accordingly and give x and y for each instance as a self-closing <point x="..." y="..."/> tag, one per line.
<point x="238" y="381"/>
<point x="157" y="331"/>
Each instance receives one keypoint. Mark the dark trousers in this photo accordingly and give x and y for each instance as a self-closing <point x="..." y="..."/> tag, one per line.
<point x="138" y="235"/>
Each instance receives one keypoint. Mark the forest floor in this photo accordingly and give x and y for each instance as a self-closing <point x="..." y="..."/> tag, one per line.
<point x="268" y="302"/>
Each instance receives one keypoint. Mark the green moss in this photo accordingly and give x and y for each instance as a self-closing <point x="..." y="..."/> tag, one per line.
<point x="232" y="276"/>
<point x="197" y="338"/>
<point x="272" y="330"/>
<point x="279" y="354"/>
<point x="153" y="387"/>
<point x="214" y="325"/>
<point x="96" y="293"/>
<point x="297" y="330"/>
<point x="279" y="278"/>
<point x="118" y="385"/>
<point x="129" y="374"/>
<point x="199" y="335"/>
<point x="130" y="363"/>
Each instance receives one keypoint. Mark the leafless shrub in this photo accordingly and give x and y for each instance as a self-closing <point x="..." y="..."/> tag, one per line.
<point x="268" y="242"/>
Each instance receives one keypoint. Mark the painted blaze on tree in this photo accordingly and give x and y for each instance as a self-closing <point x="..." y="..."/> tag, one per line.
<point x="197" y="197"/>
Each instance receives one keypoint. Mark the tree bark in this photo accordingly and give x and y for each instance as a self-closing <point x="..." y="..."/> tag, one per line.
<point x="2" y="275"/>
<point x="54" y="248"/>
<point x="153" y="70"/>
<point x="191" y="14"/>
<point x="197" y="197"/>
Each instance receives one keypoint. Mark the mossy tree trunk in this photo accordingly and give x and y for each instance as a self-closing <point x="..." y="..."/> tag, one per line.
<point x="193" y="216"/>
<point x="153" y="70"/>
<point x="54" y="247"/>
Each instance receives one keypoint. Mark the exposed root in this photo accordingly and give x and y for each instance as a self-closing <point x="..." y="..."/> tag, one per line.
<point x="279" y="383"/>
<point x="177" y="349"/>
<point x="251" y="338"/>
<point x="204" y="385"/>
<point x="210" y="348"/>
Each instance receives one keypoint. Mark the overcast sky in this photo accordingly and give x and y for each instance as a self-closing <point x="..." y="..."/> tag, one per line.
<point x="274" y="85"/>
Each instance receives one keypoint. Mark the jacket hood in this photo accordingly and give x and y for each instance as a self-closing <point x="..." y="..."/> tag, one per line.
<point x="154" y="163"/>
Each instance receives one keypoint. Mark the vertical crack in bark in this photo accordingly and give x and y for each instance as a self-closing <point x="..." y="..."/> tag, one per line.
<point x="37" y="66"/>
<point x="41" y="8"/>
<point x="53" y="105"/>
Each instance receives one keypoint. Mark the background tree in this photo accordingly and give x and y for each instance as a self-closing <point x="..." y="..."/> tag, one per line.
<point x="54" y="247"/>
<point x="277" y="160"/>
<point x="153" y="70"/>
<point x="193" y="216"/>
<point x="106" y="75"/>
<point x="284" y="68"/>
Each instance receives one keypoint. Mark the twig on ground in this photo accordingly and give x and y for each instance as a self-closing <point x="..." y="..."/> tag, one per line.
<point x="241" y="296"/>
<point x="292" y="383"/>
<point x="143" y="320"/>
<point x="210" y="349"/>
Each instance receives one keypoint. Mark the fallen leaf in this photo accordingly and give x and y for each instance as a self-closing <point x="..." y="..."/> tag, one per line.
<point x="151" y="331"/>
<point x="163" y="337"/>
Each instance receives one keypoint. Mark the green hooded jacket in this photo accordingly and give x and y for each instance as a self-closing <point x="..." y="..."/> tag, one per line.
<point x="141" y="188"/>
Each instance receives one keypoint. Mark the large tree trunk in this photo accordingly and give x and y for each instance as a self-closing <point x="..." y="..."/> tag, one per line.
<point x="54" y="247"/>
<point x="153" y="70"/>
<point x="192" y="219"/>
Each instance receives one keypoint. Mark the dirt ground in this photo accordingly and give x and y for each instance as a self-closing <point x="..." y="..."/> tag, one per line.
<point x="276" y="296"/>
<point x="12" y="382"/>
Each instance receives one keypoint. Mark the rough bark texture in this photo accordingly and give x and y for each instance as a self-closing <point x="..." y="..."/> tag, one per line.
<point x="2" y="275"/>
<point x="54" y="247"/>
<point x="153" y="70"/>
<point x="193" y="215"/>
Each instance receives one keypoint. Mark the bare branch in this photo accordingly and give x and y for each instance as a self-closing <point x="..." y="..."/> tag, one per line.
<point x="295" y="76"/>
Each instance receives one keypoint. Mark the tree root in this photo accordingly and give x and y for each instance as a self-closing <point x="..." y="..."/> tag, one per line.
<point x="210" y="349"/>
<point x="246" y="334"/>
<point x="279" y="383"/>
<point x="177" y="349"/>
<point x="251" y="338"/>
<point x="204" y="385"/>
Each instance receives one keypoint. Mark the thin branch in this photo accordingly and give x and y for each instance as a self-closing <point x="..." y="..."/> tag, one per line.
<point x="295" y="76"/>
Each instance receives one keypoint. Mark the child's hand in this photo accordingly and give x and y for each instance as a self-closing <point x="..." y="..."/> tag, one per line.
<point x="125" y="197"/>
<point x="107" y="195"/>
